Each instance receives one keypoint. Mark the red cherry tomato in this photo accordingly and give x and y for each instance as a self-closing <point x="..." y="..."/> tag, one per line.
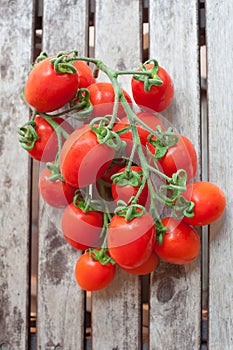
<point x="209" y="202"/>
<point x="181" y="243"/>
<point x="46" y="90"/>
<point x="146" y="267"/>
<point x="46" y="146"/>
<point x="56" y="193"/>
<point x="85" y="74"/>
<point x="92" y="275"/>
<point x="158" y="98"/>
<point x="130" y="243"/>
<point x="82" y="229"/>
<point x="102" y="97"/>
<point x="82" y="157"/>
<point x="180" y="156"/>
<point x="128" y="190"/>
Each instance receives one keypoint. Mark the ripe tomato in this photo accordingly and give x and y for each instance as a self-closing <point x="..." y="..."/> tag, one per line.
<point x="56" y="193"/>
<point x="181" y="243"/>
<point x="146" y="267"/>
<point x="82" y="157"/>
<point x="91" y="275"/>
<point x="46" y="147"/>
<point x="82" y="229"/>
<point x="209" y="202"/>
<point x="85" y="74"/>
<point x="151" y="119"/>
<point x="158" y="98"/>
<point x="128" y="189"/>
<point x="46" y="90"/>
<point x="102" y="97"/>
<point x="180" y="156"/>
<point x="130" y="243"/>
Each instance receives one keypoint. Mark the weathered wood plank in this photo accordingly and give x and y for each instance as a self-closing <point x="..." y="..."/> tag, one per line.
<point x="118" y="39"/>
<point x="60" y="301"/>
<point x="118" y="44"/>
<point x="176" y="291"/>
<point x="16" y="49"/>
<point x="219" y="31"/>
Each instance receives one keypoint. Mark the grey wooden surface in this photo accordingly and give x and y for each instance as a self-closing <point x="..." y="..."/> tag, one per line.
<point x="175" y="304"/>
<point x="15" y="58"/>
<point x="60" y="320"/>
<point x="116" y="311"/>
<point x="219" y="26"/>
<point x="175" y="292"/>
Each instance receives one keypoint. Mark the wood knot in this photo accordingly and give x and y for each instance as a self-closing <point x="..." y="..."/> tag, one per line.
<point x="165" y="289"/>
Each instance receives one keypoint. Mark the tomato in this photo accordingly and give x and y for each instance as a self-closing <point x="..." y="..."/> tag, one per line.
<point x="146" y="267"/>
<point x="181" y="243"/>
<point x="92" y="275"/>
<point x="158" y="98"/>
<point x="102" y="97"/>
<point x="85" y="74"/>
<point x="129" y="189"/>
<point x="209" y="202"/>
<point x="82" y="157"/>
<point x="56" y="193"/>
<point x="130" y="243"/>
<point x="46" y="90"/>
<point x="180" y="156"/>
<point x="46" y="146"/>
<point x="82" y="229"/>
<point x="151" y="119"/>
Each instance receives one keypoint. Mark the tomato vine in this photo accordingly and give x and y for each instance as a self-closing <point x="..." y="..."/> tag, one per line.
<point x="97" y="152"/>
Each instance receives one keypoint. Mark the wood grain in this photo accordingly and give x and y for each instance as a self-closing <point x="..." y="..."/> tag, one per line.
<point x="116" y="320"/>
<point x="219" y="30"/>
<point x="15" y="58"/>
<point x="60" y="300"/>
<point x="175" y="307"/>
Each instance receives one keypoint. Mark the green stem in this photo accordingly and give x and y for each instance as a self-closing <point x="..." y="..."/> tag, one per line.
<point x="133" y="72"/>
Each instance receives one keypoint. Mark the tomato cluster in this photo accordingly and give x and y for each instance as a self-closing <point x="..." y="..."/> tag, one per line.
<point x="133" y="163"/>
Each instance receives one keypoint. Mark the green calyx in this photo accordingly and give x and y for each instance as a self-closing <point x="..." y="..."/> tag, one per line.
<point x="101" y="255"/>
<point x="55" y="172"/>
<point x="128" y="177"/>
<point x="106" y="135"/>
<point x="86" y="203"/>
<point x="162" y="141"/>
<point x="152" y="79"/>
<point x="28" y="135"/>
<point x="130" y="211"/>
<point x="63" y="63"/>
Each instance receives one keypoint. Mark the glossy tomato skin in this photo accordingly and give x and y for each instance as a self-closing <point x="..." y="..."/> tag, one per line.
<point x="91" y="275"/>
<point x="147" y="267"/>
<point x="158" y="98"/>
<point x="82" y="229"/>
<point x="181" y="243"/>
<point x="209" y="203"/>
<point x="130" y="243"/>
<point x="82" y="157"/>
<point x="127" y="191"/>
<point x="56" y="193"/>
<point x="85" y="74"/>
<point x="102" y="98"/>
<point x="46" y="90"/>
<point x="180" y="156"/>
<point x="46" y="147"/>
